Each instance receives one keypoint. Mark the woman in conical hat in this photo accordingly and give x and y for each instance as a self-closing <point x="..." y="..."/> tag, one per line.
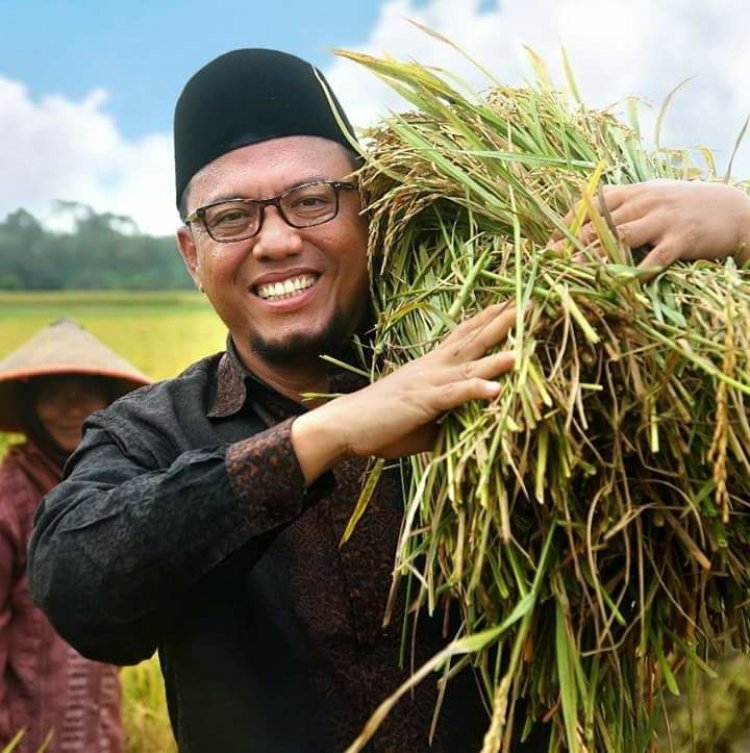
<point x="48" y="386"/>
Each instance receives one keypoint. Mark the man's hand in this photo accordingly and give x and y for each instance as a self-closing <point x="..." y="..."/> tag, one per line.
<point x="677" y="219"/>
<point x="397" y="415"/>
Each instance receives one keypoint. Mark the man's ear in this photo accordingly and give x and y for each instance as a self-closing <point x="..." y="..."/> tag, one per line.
<point x="189" y="254"/>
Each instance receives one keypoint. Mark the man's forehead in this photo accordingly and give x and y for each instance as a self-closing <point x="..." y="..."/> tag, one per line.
<point x="270" y="167"/>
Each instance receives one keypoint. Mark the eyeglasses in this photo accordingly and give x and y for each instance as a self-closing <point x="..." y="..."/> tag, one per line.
<point x="238" y="219"/>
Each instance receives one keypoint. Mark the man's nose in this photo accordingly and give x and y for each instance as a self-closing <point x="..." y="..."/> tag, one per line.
<point x="276" y="238"/>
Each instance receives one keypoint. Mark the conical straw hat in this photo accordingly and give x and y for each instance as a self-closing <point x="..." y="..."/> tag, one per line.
<point x="63" y="347"/>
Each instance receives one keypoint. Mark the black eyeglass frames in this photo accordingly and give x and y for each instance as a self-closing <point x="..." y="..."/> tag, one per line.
<point x="306" y="205"/>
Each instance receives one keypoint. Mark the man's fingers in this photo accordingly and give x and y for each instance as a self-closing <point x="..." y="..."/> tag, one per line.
<point x="622" y="205"/>
<point x="636" y="234"/>
<point x="495" y="331"/>
<point x="453" y="394"/>
<point x="630" y="227"/>
<point x="467" y="331"/>
<point x="492" y="332"/>
<point x="474" y="323"/>
<point x="587" y="236"/>
<point x="657" y="260"/>
<point x="557" y="246"/>
<point x="488" y="367"/>
<point x="615" y="196"/>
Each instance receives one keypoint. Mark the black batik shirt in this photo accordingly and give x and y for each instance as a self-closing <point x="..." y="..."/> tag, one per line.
<point x="184" y="526"/>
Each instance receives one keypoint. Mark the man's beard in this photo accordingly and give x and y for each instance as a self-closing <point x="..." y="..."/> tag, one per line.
<point x="301" y="347"/>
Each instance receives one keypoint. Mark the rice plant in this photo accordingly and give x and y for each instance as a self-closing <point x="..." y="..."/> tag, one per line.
<point x="591" y="523"/>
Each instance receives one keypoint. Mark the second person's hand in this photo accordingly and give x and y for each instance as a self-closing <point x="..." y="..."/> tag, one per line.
<point x="676" y="219"/>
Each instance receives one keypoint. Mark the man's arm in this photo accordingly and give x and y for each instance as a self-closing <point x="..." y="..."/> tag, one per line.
<point x="396" y="415"/>
<point x="122" y="540"/>
<point x="119" y="543"/>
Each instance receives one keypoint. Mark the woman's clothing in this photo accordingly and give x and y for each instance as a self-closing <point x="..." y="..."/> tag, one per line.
<point x="45" y="685"/>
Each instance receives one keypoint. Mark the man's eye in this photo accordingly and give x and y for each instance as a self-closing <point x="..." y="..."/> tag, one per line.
<point x="235" y="216"/>
<point x="312" y="204"/>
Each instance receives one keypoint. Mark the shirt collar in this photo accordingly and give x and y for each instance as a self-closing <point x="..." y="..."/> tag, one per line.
<point x="234" y="381"/>
<point x="231" y="391"/>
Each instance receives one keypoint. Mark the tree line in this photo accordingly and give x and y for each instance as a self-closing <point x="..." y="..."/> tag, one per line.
<point x="103" y="252"/>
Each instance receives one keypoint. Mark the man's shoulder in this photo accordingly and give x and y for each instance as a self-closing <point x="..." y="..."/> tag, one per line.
<point x="190" y="383"/>
<point x="164" y="405"/>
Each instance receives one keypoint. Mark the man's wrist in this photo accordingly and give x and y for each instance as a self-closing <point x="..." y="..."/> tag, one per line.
<point x="319" y="442"/>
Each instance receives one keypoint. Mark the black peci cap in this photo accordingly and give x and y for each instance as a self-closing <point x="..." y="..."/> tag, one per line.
<point x="247" y="96"/>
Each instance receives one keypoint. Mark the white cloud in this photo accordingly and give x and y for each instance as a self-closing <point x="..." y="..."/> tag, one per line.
<point x="56" y="148"/>
<point x="617" y="48"/>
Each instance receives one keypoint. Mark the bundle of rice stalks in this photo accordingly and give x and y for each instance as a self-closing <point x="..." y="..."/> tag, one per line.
<point x="592" y="521"/>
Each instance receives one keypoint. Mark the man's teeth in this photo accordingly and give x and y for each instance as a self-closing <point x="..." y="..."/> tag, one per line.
<point x="275" y="291"/>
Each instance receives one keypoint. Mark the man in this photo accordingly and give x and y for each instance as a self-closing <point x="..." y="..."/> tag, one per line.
<point x="202" y="516"/>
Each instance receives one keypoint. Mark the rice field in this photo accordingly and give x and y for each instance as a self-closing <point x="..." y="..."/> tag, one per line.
<point x="161" y="334"/>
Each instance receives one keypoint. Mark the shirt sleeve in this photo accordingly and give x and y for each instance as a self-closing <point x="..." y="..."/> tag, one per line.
<point x="118" y="544"/>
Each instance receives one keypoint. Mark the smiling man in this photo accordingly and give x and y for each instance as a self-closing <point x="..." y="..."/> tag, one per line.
<point x="202" y="516"/>
<point x="287" y="275"/>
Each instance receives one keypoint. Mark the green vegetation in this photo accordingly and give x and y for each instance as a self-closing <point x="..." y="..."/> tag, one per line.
<point x="104" y="252"/>
<point x="144" y="709"/>
<point x="720" y="722"/>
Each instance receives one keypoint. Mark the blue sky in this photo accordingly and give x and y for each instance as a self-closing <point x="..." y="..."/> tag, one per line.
<point x="142" y="52"/>
<point x="87" y="88"/>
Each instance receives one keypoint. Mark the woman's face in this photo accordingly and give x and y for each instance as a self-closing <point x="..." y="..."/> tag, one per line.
<point x="64" y="402"/>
